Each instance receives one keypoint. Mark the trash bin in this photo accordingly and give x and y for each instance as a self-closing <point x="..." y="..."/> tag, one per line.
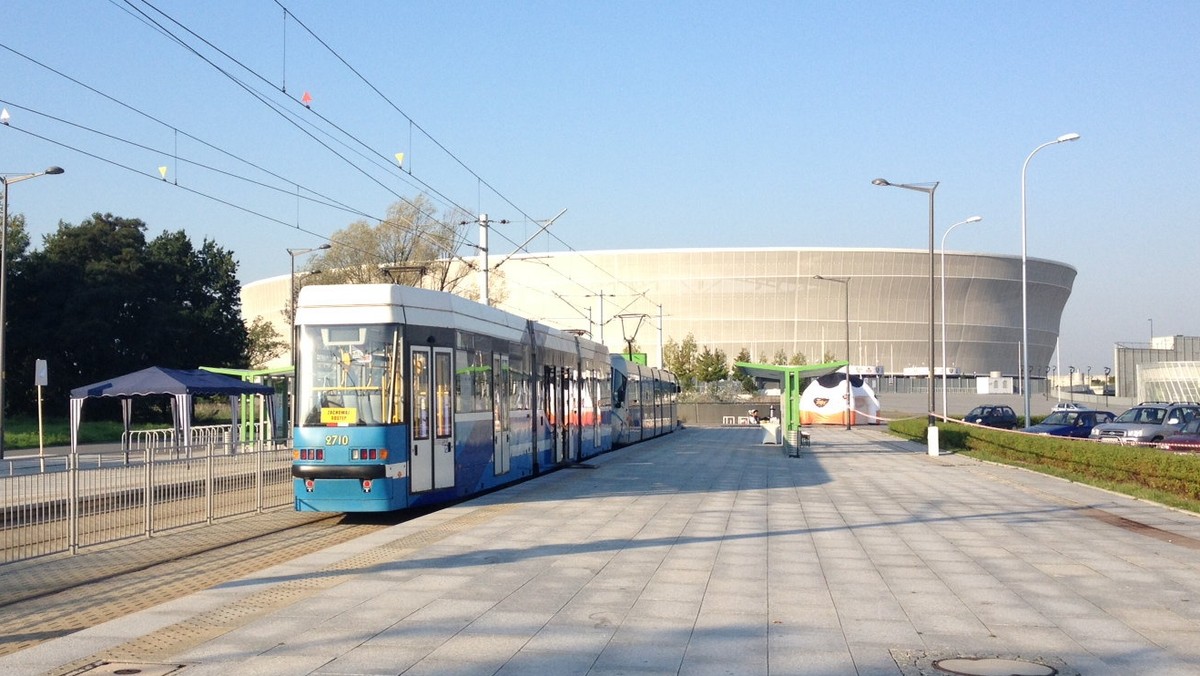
<point x="791" y="443"/>
<point x="770" y="433"/>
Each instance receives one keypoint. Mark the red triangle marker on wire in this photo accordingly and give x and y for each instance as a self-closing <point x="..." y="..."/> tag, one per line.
<point x="306" y="99"/>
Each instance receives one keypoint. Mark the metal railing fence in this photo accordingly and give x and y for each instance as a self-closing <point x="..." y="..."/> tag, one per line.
<point x="74" y="502"/>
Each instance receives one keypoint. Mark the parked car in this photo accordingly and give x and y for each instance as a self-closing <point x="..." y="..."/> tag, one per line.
<point x="1147" y="422"/>
<point x="992" y="416"/>
<point x="1071" y="423"/>
<point x="1186" y="439"/>
<point x="1069" y="406"/>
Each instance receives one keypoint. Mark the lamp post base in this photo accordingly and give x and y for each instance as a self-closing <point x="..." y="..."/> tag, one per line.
<point x="932" y="435"/>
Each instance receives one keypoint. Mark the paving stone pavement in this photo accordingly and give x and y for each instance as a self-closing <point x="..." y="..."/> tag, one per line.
<point x="706" y="552"/>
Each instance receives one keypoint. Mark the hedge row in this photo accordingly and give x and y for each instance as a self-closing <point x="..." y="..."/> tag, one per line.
<point x="1162" y="476"/>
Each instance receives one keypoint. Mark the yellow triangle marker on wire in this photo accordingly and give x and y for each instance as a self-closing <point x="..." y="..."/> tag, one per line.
<point x="400" y="159"/>
<point x="162" y="171"/>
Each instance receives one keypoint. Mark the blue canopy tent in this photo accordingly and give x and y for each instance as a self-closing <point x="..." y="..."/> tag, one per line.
<point x="182" y="385"/>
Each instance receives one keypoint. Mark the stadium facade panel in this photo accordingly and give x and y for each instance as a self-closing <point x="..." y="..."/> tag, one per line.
<point x="766" y="301"/>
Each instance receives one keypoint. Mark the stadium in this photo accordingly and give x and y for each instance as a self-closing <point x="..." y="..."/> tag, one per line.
<point x="769" y="302"/>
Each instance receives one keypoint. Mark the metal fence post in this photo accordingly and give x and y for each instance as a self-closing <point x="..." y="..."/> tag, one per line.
<point x="259" y="467"/>
<point x="208" y="481"/>
<point x="73" y="502"/>
<point x="148" y="490"/>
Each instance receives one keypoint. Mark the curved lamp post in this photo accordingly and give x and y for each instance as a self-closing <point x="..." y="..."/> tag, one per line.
<point x="973" y="219"/>
<point x="928" y="188"/>
<point x="845" y="282"/>
<point x="1025" y="277"/>
<point x="6" y="180"/>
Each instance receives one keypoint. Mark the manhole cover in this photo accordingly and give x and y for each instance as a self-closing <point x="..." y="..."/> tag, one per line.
<point x="992" y="666"/>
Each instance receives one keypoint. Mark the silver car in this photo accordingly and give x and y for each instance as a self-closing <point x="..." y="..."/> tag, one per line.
<point x="1148" y="422"/>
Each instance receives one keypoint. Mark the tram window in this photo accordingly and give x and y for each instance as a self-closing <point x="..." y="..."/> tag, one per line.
<point x="474" y="382"/>
<point x="443" y="391"/>
<point x="349" y="375"/>
<point x="618" y="393"/>
<point x="518" y="396"/>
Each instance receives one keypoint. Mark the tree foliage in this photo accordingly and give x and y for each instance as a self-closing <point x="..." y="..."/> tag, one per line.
<point x="740" y="375"/>
<point x="263" y="342"/>
<point x="680" y="359"/>
<point x="712" y="365"/>
<point x="99" y="300"/>
<point x="693" y="365"/>
<point x="411" y="246"/>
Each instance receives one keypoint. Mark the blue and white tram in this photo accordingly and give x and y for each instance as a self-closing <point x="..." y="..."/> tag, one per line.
<point x="409" y="397"/>
<point x="644" y="401"/>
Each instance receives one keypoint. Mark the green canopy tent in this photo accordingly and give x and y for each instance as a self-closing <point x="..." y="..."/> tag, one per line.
<point x="790" y="379"/>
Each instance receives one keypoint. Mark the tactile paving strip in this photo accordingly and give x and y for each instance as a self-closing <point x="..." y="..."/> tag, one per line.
<point x="118" y="589"/>
<point x="160" y="645"/>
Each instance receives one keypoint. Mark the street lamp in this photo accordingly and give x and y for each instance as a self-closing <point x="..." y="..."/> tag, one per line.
<point x="973" y="219"/>
<point x="293" y="253"/>
<point x="845" y="282"/>
<point x="1025" y="277"/>
<point x="6" y="180"/>
<point x="925" y="188"/>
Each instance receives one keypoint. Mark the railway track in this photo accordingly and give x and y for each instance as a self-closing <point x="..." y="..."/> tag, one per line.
<point x="42" y="600"/>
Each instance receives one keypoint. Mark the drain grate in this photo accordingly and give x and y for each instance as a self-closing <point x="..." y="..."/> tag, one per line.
<point x="126" y="669"/>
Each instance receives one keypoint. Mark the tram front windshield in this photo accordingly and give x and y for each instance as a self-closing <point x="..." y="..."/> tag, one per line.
<point x="349" y="375"/>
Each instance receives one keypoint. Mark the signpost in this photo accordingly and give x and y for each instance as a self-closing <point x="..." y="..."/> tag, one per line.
<point x="40" y="379"/>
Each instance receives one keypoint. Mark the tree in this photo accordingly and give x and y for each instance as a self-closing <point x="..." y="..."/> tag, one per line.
<point x="680" y="359"/>
<point x="798" y="359"/>
<point x="263" y="342"/>
<point x="780" y="358"/>
<point x="712" y="365"/>
<point x="98" y="300"/>
<point x="740" y="375"/>
<point x="411" y="246"/>
<point x="17" y="242"/>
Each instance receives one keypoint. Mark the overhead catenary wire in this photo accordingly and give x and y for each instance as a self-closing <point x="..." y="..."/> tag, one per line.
<point x="311" y="131"/>
<point x="390" y="103"/>
<point x="380" y="160"/>
<point x="414" y="124"/>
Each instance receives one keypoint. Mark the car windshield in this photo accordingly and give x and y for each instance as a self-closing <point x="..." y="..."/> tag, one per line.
<point x="1142" y="415"/>
<point x="1061" y="418"/>
<point x="979" y="412"/>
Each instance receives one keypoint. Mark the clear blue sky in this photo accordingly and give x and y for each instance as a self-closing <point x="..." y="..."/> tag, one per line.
<point x="656" y="124"/>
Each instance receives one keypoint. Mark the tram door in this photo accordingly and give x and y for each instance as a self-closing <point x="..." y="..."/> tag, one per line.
<point x="575" y="416"/>
<point x="501" y="424"/>
<point x="431" y="454"/>
<point x="555" y="419"/>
